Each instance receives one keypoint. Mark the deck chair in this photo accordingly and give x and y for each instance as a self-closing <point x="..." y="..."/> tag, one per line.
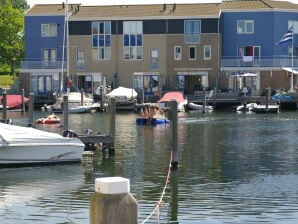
<point x="209" y="95"/>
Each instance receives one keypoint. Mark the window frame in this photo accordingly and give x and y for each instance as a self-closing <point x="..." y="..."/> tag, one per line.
<point x="245" y="24"/>
<point x="132" y="40"/>
<point x="205" y="51"/>
<point x="177" y="56"/>
<point x="195" y="53"/>
<point x="48" y="28"/>
<point x="101" y="40"/>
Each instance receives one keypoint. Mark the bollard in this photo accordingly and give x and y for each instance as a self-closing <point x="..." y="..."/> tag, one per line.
<point x="23" y="101"/>
<point x="112" y="122"/>
<point x="112" y="202"/>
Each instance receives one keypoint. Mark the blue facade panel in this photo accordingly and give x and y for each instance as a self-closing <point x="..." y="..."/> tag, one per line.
<point x="34" y="42"/>
<point x="269" y="27"/>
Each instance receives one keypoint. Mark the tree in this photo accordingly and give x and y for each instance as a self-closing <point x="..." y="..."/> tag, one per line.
<point x="11" y="35"/>
<point x="16" y="4"/>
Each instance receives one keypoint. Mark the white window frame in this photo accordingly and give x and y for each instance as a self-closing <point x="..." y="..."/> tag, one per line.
<point x="195" y="53"/>
<point x="177" y="55"/>
<point x="206" y="48"/>
<point x="195" y="35"/>
<point x="49" y="30"/>
<point x="243" y="26"/>
<point x="132" y="52"/>
<point x="101" y="53"/>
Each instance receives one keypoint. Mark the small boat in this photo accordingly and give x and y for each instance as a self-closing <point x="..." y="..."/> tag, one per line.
<point x="13" y="101"/>
<point x="200" y="107"/>
<point x="174" y="95"/>
<point x="153" y="121"/>
<point x="125" y="98"/>
<point x="246" y="107"/>
<point x="26" y="146"/>
<point x="50" y="119"/>
<point x="266" y="109"/>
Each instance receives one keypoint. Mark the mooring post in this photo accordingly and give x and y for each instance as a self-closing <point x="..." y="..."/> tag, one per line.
<point x="174" y="125"/>
<point x="65" y="112"/>
<point x="204" y="99"/>
<point x="112" y="202"/>
<point x="82" y="97"/>
<point x="31" y="107"/>
<point x="102" y="99"/>
<point x="23" y="101"/>
<point x="4" y="103"/>
<point x="268" y="93"/>
<point x="112" y="123"/>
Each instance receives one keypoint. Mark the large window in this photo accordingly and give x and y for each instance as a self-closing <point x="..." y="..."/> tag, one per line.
<point x="49" y="58"/>
<point x="133" y="40"/>
<point x="101" y="40"/>
<point x="245" y="26"/>
<point x="192" y="31"/>
<point x="49" y="30"/>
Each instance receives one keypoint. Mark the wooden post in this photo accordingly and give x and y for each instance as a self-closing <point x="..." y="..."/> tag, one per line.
<point x="112" y="121"/>
<point x="268" y="93"/>
<point x="23" y="101"/>
<point x="174" y="126"/>
<point x="82" y="97"/>
<point x="4" y="103"/>
<point x="31" y="108"/>
<point x="204" y="100"/>
<point x="102" y="99"/>
<point x="112" y="202"/>
<point x="65" y="112"/>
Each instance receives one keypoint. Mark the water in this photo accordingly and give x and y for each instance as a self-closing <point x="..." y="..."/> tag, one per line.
<point x="233" y="168"/>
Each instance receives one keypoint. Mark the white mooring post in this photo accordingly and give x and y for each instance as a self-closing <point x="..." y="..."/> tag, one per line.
<point x="112" y="202"/>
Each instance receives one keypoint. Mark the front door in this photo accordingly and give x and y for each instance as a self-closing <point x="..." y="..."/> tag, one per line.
<point x="44" y="84"/>
<point x="150" y="84"/>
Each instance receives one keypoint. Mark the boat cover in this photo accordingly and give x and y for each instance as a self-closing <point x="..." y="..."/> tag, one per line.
<point x="167" y="97"/>
<point x="123" y="92"/>
<point x="17" y="135"/>
<point x="13" y="101"/>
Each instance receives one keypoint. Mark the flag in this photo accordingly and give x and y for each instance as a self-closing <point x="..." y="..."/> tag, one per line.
<point x="287" y="37"/>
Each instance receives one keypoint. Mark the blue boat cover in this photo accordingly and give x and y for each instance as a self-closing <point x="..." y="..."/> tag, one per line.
<point x="154" y="121"/>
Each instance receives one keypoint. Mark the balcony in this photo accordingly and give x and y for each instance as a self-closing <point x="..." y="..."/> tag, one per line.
<point x="38" y="64"/>
<point x="258" y="63"/>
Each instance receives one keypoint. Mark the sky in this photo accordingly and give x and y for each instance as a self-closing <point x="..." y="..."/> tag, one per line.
<point x="124" y="2"/>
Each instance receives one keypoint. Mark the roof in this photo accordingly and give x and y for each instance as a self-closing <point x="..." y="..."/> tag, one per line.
<point x="158" y="11"/>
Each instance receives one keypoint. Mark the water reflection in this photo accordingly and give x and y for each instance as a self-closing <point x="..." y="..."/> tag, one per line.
<point x="233" y="168"/>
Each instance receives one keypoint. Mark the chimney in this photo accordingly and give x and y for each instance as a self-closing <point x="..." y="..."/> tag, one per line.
<point x="63" y="5"/>
<point x="174" y="7"/>
<point x="78" y="7"/>
<point x="164" y="7"/>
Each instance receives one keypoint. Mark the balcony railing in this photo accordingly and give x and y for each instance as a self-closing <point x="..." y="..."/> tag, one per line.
<point x="276" y="62"/>
<point x="34" y="64"/>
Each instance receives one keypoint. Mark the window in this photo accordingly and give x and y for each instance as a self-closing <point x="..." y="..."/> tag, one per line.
<point x="192" y="53"/>
<point x="101" y="40"/>
<point x="177" y="53"/>
<point x="245" y="26"/>
<point x="49" y="30"/>
<point x="207" y="52"/>
<point x="133" y="40"/>
<point x="80" y="59"/>
<point x="192" y="31"/>
<point x="49" y="57"/>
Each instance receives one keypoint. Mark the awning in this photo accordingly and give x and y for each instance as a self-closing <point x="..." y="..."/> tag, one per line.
<point x="243" y="74"/>
<point x="290" y="70"/>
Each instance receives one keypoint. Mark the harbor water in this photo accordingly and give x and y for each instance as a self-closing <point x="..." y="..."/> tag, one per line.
<point x="233" y="168"/>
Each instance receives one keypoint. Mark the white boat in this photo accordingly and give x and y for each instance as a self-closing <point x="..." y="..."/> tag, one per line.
<point x="125" y="97"/>
<point x="200" y="107"/>
<point x="21" y="146"/>
<point x="246" y="107"/>
<point x="266" y="109"/>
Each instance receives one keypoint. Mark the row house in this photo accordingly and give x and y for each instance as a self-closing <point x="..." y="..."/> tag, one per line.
<point x="158" y="47"/>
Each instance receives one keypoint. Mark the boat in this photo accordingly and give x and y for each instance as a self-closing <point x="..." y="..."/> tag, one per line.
<point x="246" y="107"/>
<point x="125" y="97"/>
<point x="153" y="121"/>
<point x="50" y="119"/>
<point x="173" y="95"/>
<point x="200" y="107"/>
<point x="24" y="146"/>
<point x="13" y="101"/>
<point x="266" y="108"/>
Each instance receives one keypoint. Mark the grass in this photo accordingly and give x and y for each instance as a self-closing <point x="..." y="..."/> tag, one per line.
<point x="6" y="81"/>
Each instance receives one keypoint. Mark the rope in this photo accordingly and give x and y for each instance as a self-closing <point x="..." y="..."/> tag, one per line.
<point x="158" y="204"/>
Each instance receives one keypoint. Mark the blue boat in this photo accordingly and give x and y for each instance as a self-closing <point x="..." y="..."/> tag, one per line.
<point x="154" y="121"/>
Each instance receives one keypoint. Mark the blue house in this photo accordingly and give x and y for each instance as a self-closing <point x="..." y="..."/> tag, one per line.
<point x="250" y="31"/>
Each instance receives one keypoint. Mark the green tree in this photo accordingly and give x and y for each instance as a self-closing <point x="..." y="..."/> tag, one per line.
<point x="17" y="4"/>
<point x="11" y="35"/>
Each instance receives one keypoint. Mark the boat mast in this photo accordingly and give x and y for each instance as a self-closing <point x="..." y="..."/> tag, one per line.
<point x="292" y="77"/>
<point x="63" y="49"/>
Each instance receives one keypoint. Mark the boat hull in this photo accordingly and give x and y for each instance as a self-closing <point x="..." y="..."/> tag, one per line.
<point x="154" y="121"/>
<point x="41" y="154"/>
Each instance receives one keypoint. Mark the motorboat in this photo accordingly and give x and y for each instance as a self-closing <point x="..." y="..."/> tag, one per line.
<point x="266" y="108"/>
<point x="200" y="107"/>
<point x="26" y="146"/>
<point x="13" y="101"/>
<point x="246" y="107"/>
<point x="173" y="95"/>
<point x="50" y="119"/>
<point x="125" y="97"/>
